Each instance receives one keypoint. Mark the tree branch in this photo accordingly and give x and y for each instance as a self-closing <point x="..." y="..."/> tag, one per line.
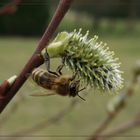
<point x="9" y="8"/>
<point x="134" y="122"/>
<point x="36" y="60"/>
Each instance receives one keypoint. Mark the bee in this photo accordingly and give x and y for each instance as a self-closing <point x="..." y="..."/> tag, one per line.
<point x="60" y="84"/>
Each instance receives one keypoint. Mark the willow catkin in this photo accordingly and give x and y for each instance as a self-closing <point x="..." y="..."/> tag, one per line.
<point x="92" y="61"/>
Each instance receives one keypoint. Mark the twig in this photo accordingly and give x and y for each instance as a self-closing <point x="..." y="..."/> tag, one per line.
<point x="45" y="123"/>
<point x="134" y="122"/>
<point x="102" y="127"/>
<point x="10" y="8"/>
<point x="36" y="60"/>
<point x="117" y="106"/>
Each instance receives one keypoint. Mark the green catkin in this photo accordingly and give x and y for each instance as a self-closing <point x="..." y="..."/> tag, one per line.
<point x="94" y="63"/>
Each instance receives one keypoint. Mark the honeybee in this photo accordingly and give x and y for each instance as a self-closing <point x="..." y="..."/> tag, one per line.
<point x="60" y="84"/>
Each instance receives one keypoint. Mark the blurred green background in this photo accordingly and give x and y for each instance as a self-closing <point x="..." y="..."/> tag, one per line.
<point x="120" y="29"/>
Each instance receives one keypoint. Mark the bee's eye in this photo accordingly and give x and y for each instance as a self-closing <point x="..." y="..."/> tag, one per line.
<point x="73" y="90"/>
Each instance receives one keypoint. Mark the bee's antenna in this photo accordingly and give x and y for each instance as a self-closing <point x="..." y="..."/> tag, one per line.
<point x="81" y="97"/>
<point x="82" y="89"/>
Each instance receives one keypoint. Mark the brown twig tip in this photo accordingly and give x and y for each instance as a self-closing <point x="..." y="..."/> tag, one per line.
<point x="5" y="86"/>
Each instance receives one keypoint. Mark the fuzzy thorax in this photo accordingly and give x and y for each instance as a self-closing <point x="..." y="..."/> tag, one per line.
<point x="94" y="63"/>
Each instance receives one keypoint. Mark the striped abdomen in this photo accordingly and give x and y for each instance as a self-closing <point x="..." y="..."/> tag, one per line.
<point x="43" y="78"/>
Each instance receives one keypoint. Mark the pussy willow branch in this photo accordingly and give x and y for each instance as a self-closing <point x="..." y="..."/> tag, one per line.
<point x="97" y="134"/>
<point x="35" y="59"/>
<point x="45" y="123"/>
<point x="130" y="124"/>
<point x="9" y="8"/>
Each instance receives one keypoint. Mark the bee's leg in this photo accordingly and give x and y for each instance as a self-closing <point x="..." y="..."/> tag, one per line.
<point x="47" y="63"/>
<point x="64" y="57"/>
<point x="60" y="67"/>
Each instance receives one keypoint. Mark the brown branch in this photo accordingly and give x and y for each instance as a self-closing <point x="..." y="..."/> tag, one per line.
<point x="111" y="115"/>
<point x="9" y="8"/>
<point x="98" y="133"/>
<point x="102" y="127"/>
<point x="45" y="123"/>
<point x="132" y="123"/>
<point x="36" y="60"/>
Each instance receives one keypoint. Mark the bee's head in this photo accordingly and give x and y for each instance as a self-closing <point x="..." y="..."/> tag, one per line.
<point x="74" y="88"/>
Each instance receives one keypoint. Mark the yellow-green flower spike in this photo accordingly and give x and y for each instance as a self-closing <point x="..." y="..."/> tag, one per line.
<point x="92" y="60"/>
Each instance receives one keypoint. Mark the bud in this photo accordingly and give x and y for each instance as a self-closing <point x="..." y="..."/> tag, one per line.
<point x="137" y="68"/>
<point x="116" y="103"/>
<point x="4" y="87"/>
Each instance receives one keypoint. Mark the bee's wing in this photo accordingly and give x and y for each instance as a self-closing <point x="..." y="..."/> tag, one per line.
<point x="51" y="82"/>
<point x="43" y="94"/>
